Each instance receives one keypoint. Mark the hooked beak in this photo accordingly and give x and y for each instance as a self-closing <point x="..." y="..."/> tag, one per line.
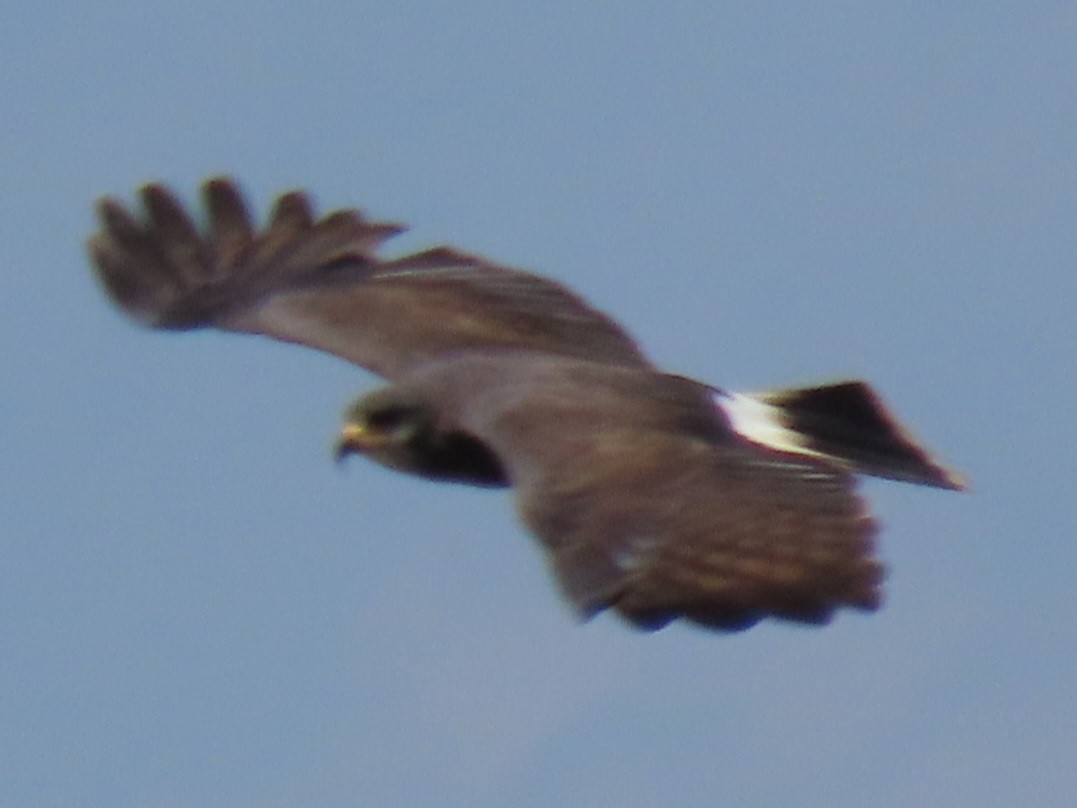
<point x="357" y="439"/>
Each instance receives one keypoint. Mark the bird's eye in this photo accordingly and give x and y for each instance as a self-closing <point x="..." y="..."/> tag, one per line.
<point x="388" y="419"/>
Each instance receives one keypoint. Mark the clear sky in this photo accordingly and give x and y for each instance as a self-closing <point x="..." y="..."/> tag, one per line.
<point x="198" y="609"/>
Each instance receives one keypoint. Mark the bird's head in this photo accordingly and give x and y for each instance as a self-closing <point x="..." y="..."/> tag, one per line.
<point x="388" y="427"/>
<point x="399" y="430"/>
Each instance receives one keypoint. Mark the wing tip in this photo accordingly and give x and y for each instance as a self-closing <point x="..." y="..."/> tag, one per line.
<point x="165" y="271"/>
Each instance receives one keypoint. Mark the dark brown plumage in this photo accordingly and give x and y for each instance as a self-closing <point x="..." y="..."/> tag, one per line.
<point x="654" y="495"/>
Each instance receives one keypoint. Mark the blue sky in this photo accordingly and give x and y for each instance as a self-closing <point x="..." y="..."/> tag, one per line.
<point x="198" y="608"/>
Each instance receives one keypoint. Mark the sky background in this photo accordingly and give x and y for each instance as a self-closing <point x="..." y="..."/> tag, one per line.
<point x="197" y="608"/>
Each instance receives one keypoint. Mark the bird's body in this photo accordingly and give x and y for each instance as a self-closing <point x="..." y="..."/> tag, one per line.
<point x="655" y="495"/>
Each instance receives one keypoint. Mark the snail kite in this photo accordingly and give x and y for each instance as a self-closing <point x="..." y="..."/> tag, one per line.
<point x="653" y="495"/>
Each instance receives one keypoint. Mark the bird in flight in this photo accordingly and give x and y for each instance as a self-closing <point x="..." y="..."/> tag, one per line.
<point x="653" y="495"/>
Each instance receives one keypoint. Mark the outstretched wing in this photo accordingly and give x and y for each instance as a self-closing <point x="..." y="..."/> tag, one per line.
<point x="320" y="283"/>
<point x="648" y="503"/>
<point x="663" y="527"/>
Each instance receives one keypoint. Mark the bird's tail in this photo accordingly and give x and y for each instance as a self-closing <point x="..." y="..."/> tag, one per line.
<point x="845" y="424"/>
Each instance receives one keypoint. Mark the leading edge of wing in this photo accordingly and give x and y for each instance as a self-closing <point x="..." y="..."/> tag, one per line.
<point x="319" y="282"/>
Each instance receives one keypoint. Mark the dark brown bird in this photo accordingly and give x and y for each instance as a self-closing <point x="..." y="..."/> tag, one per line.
<point x="653" y="494"/>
